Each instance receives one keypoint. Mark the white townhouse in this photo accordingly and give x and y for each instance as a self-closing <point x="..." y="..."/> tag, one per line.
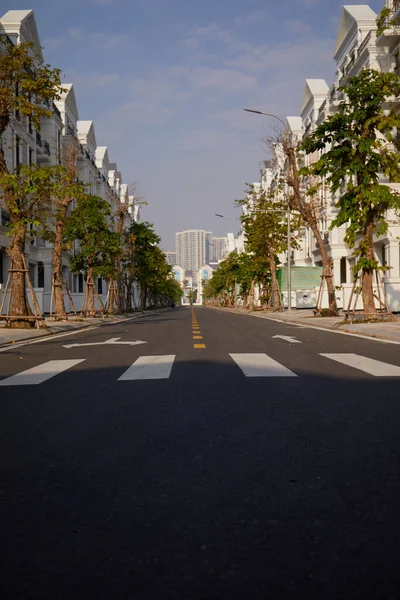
<point x="357" y="48"/>
<point x="24" y="145"/>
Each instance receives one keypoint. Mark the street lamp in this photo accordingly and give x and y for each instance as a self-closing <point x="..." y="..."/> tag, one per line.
<point x="289" y="261"/>
<point x="289" y="245"/>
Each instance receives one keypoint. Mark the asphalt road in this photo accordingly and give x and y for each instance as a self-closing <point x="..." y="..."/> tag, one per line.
<point x="205" y="483"/>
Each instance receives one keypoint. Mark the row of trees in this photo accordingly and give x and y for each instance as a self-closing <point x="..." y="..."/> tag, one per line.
<point x="52" y="203"/>
<point x="358" y="151"/>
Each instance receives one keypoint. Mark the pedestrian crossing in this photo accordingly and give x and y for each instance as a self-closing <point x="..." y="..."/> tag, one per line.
<point x="160" y="367"/>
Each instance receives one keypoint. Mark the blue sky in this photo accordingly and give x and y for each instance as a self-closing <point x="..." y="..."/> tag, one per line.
<point x="165" y="82"/>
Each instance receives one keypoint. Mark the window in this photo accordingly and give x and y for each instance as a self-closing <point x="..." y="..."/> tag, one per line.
<point x="17" y="151"/>
<point x="40" y="275"/>
<point x="343" y="270"/>
<point x="80" y="283"/>
<point x="30" y="156"/>
<point x="100" y="285"/>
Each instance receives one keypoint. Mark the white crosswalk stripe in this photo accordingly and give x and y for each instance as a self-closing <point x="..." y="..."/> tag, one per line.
<point x="160" y="367"/>
<point x="40" y="373"/>
<point x="149" y="367"/>
<point x="261" y="365"/>
<point x="368" y="365"/>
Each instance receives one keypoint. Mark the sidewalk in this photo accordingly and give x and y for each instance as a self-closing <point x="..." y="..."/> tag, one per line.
<point x="13" y="336"/>
<point x="383" y="331"/>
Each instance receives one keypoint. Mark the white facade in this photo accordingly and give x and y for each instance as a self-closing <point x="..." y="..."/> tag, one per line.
<point x="170" y="256"/>
<point x="24" y="145"/>
<point x="356" y="48"/>
<point x="193" y="250"/>
<point x="219" y="248"/>
<point x="204" y="274"/>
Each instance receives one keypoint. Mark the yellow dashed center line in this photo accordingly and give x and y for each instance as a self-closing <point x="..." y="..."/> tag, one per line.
<point x="196" y="334"/>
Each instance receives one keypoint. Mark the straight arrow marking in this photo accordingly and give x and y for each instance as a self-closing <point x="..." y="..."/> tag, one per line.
<point x="110" y="342"/>
<point x="287" y="338"/>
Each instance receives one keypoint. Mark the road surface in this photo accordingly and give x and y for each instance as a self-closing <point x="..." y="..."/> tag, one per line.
<point x="214" y="461"/>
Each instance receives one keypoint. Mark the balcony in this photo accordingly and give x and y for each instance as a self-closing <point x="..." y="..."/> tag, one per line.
<point x="391" y="35"/>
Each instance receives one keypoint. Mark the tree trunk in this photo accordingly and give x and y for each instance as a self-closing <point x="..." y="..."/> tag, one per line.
<point x="19" y="306"/>
<point x="90" y="293"/>
<point x="111" y="297"/>
<point x="251" y="299"/>
<point x="275" y="286"/>
<point x="327" y="269"/>
<point x="144" y="297"/>
<point x="300" y="204"/>
<point x="235" y="298"/>
<point x="368" y="274"/>
<point x="59" y="303"/>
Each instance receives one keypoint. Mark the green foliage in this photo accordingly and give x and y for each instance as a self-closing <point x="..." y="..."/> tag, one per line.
<point x="98" y="245"/>
<point x="358" y="147"/>
<point x="27" y="84"/>
<point x="383" y="22"/>
<point x="265" y="225"/>
<point x="236" y="269"/>
<point x="28" y="191"/>
<point x="146" y="263"/>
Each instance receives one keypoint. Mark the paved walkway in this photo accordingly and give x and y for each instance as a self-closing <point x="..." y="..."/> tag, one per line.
<point x="385" y="331"/>
<point x="13" y="336"/>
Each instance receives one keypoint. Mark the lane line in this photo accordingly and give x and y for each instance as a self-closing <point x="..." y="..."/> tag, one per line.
<point x="41" y="373"/>
<point x="149" y="367"/>
<point x="368" y="365"/>
<point x="198" y="346"/>
<point x="261" y="365"/>
<point x="197" y="337"/>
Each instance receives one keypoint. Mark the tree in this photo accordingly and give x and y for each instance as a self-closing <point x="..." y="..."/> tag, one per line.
<point x="88" y="224"/>
<point x="65" y="188"/>
<point x="140" y="261"/>
<point x="359" y="148"/>
<point x="27" y="85"/>
<point x="295" y="184"/>
<point x="265" y="227"/>
<point x="236" y="270"/>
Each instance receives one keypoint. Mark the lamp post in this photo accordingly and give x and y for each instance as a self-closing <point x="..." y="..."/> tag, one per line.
<point x="289" y="258"/>
<point x="289" y="246"/>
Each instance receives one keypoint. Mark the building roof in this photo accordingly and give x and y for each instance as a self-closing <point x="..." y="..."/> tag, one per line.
<point x="295" y="124"/>
<point x="102" y="155"/>
<point x="23" y="23"/>
<point x="361" y="14"/>
<point x="69" y="99"/>
<point x="86" y="133"/>
<point x="314" y="88"/>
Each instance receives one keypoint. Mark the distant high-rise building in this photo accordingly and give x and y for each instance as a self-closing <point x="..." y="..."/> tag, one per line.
<point x="170" y="256"/>
<point x="219" y="248"/>
<point x="193" y="249"/>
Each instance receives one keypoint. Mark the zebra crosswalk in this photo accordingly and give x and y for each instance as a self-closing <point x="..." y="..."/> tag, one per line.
<point x="162" y="366"/>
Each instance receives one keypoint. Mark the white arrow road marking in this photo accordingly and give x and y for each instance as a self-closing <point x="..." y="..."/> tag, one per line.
<point x="111" y="341"/>
<point x="287" y="338"/>
<point x="261" y="365"/>
<point x="41" y="373"/>
<point x="368" y="365"/>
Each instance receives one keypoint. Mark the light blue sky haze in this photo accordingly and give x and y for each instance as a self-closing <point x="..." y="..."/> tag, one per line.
<point x="165" y="82"/>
